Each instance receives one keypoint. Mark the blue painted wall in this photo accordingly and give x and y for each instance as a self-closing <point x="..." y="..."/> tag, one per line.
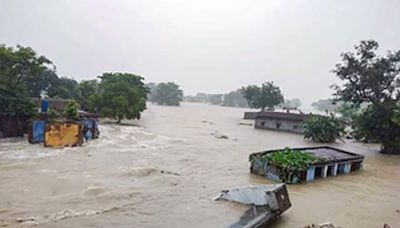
<point x="38" y="128"/>
<point x="89" y="126"/>
<point x="347" y="168"/>
<point x="311" y="173"/>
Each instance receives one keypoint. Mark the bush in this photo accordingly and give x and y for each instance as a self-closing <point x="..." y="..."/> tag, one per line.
<point x="71" y="110"/>
<point x="323" y="129"/>
<point x="291" y="159"/>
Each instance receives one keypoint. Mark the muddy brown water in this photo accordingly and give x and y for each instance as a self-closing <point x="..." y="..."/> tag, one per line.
<point x="164" y="170"/>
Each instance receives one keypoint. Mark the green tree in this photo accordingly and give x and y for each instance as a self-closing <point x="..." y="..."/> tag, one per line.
<point x="65" y="88"/>
<point x="121" y="95"/>
<point x="268" y="95"/>
<point x="324" y="129"/>
<point x="168" y="94"/>
<point x="17" y="67"/>
<point x="84" y="90"/>
<point x="374" y="79"/>
<point x="47" y="81"/>
<point x="71" y="110"/>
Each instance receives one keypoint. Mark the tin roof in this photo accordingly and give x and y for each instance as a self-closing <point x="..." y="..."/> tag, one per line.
<point x="282" y="116"/>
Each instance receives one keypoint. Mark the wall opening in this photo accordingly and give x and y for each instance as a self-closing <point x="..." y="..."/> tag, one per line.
<point x="319" y="172"/>
<point x="331" y="170"/>
<point x="340" y="168"/>
<point x="278" y="125"/>
<point x="262" y="123"/>
<point x="355" y="166"/>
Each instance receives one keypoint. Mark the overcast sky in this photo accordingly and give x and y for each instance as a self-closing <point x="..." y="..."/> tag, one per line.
<point x="211" y="46"/>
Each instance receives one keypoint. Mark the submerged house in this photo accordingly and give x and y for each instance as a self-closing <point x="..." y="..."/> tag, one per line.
<point x="330" y="162"/>
<point x="62" y="132"/>
<point x="282" y="121"/>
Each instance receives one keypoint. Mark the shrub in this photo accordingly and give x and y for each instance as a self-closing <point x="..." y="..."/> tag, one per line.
<point x="71" y="110"/>
<point x="291" y="159"/>
<point x="324" y="129"/>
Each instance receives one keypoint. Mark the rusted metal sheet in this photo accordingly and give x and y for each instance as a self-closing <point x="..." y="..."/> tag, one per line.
<point x="59" y="135"/>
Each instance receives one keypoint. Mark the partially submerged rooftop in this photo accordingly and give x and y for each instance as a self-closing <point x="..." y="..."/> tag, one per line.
<point x="282" y="116"/>
<point x="331" y="162"/>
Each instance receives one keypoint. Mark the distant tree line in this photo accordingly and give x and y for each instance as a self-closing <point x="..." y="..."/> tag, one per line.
<point x="259" y="97"/>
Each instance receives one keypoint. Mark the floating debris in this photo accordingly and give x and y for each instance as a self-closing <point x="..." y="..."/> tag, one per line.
<point x="322" y="225"/>
<point x="245" y="124"/>
<point x="208" y="122"/>
<point x="266" y="202"/>
<point x="218" y="135"/>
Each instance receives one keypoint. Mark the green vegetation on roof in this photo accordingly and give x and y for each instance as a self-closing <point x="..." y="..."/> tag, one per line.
<point x="292" y="159"/>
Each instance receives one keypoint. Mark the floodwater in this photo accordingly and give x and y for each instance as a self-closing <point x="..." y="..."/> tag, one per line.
<point x="164" y="170"/>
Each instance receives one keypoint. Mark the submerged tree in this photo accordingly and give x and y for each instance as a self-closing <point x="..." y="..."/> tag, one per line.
<point x="121" y="95"/>
<point x="267" y="95"/>
<point x="373" y="79"/>
<point x="166" y="94"/>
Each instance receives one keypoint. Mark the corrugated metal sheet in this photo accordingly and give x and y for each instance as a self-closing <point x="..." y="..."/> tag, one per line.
<point x="59" y="135"/>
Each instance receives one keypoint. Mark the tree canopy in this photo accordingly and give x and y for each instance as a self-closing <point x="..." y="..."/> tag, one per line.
<point x="165" y="93"/>
<point x="267" y="95"/>
<point x="18" y="67"/>
<point x="120" y="95"/>
<point x="368" y="77"/>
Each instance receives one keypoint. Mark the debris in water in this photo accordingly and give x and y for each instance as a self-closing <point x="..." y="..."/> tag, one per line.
<point x="219" y="135"/>
<point x="322" y="225"/>
<point x="170" y="173"/>
<point x="245" y="124"/>
<point x="266" y="202"/>
<point x="208" y="122"/>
